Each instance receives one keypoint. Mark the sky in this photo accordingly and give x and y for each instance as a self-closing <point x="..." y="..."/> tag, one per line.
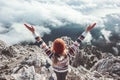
<point x="47" y="15"/>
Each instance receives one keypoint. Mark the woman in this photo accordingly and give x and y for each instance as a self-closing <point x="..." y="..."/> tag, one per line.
<point x="59" y="55"/>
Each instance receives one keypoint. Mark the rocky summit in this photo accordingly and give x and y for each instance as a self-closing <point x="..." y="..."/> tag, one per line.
<point x="29" y="62"/>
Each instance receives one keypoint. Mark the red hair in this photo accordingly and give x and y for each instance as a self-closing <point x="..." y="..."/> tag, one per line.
<point x="59" y="46"/>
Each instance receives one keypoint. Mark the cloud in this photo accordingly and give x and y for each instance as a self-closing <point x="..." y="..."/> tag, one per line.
<point x="45" y="14"/>
<point x="117" y="28"/>
<point x="38" y="13"/>
<point x="88" y="38"/>
<point x="116" y="51"/>
<point x="106" y="34"/>
<point x="19" y="33"/>
<point x="2" y="28"/>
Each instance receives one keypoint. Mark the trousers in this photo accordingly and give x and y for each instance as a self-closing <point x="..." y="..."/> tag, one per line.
<point x="61" y="75"/>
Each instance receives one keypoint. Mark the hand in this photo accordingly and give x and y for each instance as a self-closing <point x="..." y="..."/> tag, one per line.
<point x="90" y="27"/>
<point x="31" y="28"/>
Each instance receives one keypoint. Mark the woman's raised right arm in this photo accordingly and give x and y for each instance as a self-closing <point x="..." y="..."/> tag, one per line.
<point x="39" y="40"/>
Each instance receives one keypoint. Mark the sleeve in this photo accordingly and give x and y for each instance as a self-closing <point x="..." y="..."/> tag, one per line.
<point x="74" y="47"/>
<point x="40" y="43"/>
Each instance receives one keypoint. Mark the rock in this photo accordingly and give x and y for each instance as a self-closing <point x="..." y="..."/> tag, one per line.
<point x="109" y="65"/>
<point x="29" y="62"/>
<point x="3" y="45"/>
<point x="81" y="73"/>
<point x="10" y="51"/>
<point x="87" y="57"/>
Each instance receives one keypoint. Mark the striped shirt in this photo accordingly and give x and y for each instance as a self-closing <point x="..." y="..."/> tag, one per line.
<point x="62" y="65"/>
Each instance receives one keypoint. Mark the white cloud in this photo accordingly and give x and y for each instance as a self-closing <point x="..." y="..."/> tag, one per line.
<point x="19" y="33"/>
<point x="117" y="28"/>
<point x="39" y="13"/>
<point x="46" y="12"/>
<point x="106" y="34"/>
<point x="88" y="38"/>
<point x="2" y="29"/>
<point x="116" y="51"/>
<point x="55" y="13"/>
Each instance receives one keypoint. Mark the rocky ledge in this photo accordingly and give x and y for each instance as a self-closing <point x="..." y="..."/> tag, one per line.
<point x="29" y="62"/>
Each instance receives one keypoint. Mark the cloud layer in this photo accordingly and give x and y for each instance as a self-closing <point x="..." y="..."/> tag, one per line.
<point x="47" y="14"/>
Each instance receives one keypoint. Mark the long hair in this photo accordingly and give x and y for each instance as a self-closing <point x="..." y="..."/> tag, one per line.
<point x="58" y="49"/>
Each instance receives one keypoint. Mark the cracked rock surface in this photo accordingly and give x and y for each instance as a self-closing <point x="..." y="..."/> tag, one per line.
<point x="29" y="62"/>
